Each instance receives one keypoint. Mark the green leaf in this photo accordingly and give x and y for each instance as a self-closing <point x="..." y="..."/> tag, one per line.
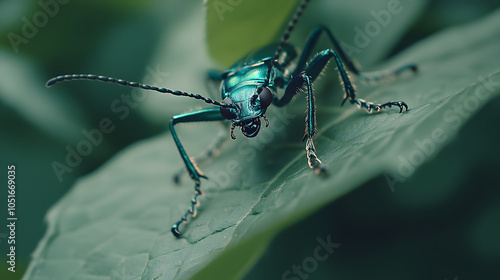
<point x="115" y="223"/>
<point x="234" y="27"/>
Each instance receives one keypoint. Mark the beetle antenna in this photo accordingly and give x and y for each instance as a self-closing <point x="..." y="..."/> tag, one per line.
<point x="290" y="27"/>
<point x="63" y="78"/>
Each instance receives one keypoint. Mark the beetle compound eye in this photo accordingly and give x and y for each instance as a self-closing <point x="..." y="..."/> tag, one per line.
<point x="251" y="128"/>
<point x="226" y="111"/>
<point x="266" y="97"/>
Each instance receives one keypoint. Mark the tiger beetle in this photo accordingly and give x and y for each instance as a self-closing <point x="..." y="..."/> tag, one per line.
<point x="250" y="86"/>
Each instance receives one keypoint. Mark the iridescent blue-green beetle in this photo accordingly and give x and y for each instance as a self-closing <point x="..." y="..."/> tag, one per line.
<point x="250" y="87"/>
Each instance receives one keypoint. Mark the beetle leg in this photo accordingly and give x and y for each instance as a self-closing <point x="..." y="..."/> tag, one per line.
<point x="319" y="62"/>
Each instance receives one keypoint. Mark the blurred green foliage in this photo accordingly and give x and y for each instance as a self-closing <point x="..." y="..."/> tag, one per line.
<point x="392" y="235"/>
<point x="441" y="223"/>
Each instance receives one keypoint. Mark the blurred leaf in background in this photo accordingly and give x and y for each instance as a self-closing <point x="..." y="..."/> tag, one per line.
<point x="235" y="28"/>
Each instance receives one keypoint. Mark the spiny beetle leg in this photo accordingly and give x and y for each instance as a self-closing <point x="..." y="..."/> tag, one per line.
<point x="190" y="212"/>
